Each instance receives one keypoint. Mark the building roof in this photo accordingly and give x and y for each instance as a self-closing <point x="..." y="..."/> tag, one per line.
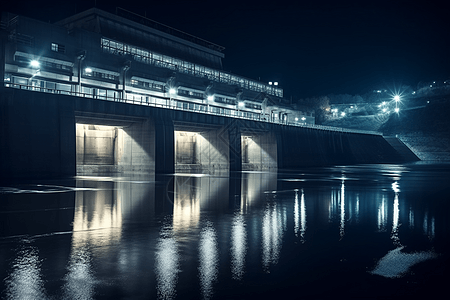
<point x="107" y="23"/>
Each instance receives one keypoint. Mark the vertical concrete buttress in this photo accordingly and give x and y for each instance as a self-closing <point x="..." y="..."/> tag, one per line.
<point x="164" y="146"/>
<point x="235" y="157"/>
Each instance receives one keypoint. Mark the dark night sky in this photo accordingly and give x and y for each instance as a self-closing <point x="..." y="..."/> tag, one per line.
<point x="311" y="48"/>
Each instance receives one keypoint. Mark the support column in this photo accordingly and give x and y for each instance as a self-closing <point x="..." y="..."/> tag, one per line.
<point x="164" y="146"/>
<point x="234" y="133"/>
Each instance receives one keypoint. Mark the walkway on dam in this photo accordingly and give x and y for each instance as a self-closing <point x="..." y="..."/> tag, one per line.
<point x="175" y="104"/>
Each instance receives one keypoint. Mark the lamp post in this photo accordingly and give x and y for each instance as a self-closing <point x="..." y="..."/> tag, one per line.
<point x="172" y="92"/>
<point x="240" y="104"/>
<point x="209" y="99"/>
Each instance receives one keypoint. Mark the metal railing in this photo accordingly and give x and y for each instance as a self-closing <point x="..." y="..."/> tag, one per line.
<point x="176" y="104"/>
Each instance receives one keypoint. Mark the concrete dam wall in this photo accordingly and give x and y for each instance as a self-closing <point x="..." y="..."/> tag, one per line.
<point x="312" y="147"/>
<point x="51" y="135"/>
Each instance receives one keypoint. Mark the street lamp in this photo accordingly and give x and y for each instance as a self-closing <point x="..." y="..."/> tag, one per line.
<point x="396" y="99"/>
<point x="172" y="92"/>
<point x="34" y="64"/>
<point x="240" y="105"/>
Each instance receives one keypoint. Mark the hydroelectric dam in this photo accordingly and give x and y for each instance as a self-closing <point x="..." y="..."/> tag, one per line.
<point x="52" y="135"/>
<point x="100" y="93"/>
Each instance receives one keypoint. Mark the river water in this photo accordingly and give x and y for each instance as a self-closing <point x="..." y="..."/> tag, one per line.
<point x="370" y="231"/>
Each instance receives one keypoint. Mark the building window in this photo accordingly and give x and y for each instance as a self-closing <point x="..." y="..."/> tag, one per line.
<point x="58" y="48"/>
<point x="251" y="105"/>
<point x="190" y="94"/>
<point x="148" y="57"/>
<point x="225" y="100"/>
<point x="89" y="73"/>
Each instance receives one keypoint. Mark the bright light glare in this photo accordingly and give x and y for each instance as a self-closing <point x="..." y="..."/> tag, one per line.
<point x="397" y="109"/>
<point x="303" y="118"/>
<point x="397" y="98"/>
<point x="342" y="114"/>
<point x="296" y="119"/>
<point x="34" y="64"/>
<point x="88" y="70"/>
<point x="241" y="104"/>
<point x="172" y="91"/>
<point x="270" y="82"/>
<point x="275" y="83"/>
<point x="210" y="97"/>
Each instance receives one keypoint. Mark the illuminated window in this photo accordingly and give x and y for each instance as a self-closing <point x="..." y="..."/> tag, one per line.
<point x="164" y="61"/>
<point x="58" y="48"/>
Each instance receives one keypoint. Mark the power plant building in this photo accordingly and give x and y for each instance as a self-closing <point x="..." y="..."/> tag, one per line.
<point x="126" y="57"/>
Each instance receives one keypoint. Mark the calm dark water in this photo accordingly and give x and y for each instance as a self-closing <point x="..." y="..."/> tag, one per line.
<point x="368" y="231"/>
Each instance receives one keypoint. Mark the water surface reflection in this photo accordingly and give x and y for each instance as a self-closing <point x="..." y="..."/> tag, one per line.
<point x="359" y="229"/>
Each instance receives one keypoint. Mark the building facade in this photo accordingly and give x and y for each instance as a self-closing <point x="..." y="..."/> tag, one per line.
<point x="129" y="58"/>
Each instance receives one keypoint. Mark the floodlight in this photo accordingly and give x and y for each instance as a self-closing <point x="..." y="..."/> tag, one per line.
<point x="210" y="97"/>
<point x="172" y="91"/>
<point x="397" y="98"/>
<point x="88" y="70"/>
<point x="34" y="64"/>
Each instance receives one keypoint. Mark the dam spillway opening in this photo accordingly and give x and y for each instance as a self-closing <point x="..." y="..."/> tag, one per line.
<point x="114" y="148"/>
<point x="202" y="151"/>
<point x="259" y="151"/>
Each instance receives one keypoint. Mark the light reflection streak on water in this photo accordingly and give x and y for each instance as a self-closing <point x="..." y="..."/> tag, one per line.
<point x="272" y="234"/>
<point x="411" y="218"/>
<point x="332" y="206"/>
<point x="425" y="223"/>
<point x="342" y="223"/>
<point x="166" y="265"/>
<point x="357" y="208"/>
<point x="209" y="259"/>
<point x="186" y="208"/>
<point x="382" y="215"/>
<point x="96" y="210"/>
<point x="25" y="280"/>
<point x="396" y="215"/>
<point x="296" y="215"/>
<point x="428" y="226"/>
<point x="79" y="278"/>
<point x="300" y="216"/>
<point x="238" y="246"/>
<point x="432" y="232"/>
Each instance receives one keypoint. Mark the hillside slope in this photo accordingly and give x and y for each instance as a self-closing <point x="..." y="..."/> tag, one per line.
<point x="425" y="129"/>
